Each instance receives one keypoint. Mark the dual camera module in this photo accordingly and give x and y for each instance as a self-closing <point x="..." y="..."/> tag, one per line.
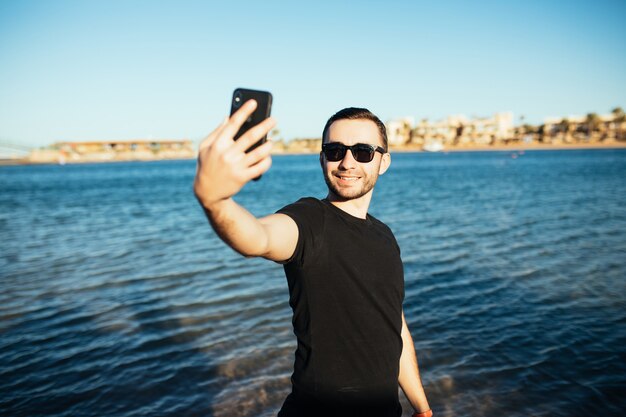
<point x="237" y="99"/>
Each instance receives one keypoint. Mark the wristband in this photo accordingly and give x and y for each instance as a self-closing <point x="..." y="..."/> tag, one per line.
<point x="427" y="413"/>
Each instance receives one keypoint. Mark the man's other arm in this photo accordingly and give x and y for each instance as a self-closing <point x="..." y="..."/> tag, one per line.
<point x="223" y="169"/>
<point x="409" y="378"/>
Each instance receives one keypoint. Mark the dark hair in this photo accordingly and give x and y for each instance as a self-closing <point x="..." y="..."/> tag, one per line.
<point x="356" y="113"/>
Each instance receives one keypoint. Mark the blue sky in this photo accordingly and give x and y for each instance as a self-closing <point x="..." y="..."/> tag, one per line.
<point x="98" y="70"/>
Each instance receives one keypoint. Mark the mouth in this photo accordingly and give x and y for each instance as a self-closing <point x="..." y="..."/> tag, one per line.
<point x="347" y="178"/>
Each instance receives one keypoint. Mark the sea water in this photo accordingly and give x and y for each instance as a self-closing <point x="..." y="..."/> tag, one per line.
<point x="117" y="298"/>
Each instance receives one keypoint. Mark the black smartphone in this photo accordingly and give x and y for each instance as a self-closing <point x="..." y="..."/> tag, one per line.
<point x="262" y="111"/>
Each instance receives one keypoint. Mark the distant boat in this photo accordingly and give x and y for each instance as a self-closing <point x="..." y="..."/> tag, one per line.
<point x="433" y="146"/>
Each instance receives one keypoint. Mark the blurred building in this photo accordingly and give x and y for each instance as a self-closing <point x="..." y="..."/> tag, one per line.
<point x="589" y="128"/>
<point x="399" y="131"/>
<point x="116" y="150"/>
<point x="454" y="131"/>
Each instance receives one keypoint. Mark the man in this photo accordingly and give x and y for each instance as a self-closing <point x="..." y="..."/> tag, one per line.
<point x="343" y="266"/>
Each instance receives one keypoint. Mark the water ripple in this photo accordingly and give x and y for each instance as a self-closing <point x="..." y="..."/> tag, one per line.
<point x="120" y="300"/>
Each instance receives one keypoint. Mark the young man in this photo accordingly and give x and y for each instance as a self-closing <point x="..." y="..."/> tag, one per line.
<point x="343" y="266"/>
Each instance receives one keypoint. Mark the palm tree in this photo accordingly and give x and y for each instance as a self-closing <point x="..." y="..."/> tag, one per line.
<point x="541" y="133"/>
<point x="618" y="118"/>
<point x="564" y="127"/>
<point x="593" y="122"/>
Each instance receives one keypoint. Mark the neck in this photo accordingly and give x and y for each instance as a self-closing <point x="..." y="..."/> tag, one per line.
<point x="355" y="207"/>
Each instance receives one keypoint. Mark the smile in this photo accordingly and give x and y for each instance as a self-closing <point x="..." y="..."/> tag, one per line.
<point x="346" y="180"/>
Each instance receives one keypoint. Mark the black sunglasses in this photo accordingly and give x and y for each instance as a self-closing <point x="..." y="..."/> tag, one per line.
<point x="362" y="152"/>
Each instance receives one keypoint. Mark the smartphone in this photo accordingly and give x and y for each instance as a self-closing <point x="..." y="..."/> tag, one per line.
<point x="262" y="111"/>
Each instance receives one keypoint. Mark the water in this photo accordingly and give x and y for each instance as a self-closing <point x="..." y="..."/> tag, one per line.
<point x="116" y="298"/>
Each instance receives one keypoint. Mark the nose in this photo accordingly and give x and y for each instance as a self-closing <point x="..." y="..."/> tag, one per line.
<point x="348" y="161"/>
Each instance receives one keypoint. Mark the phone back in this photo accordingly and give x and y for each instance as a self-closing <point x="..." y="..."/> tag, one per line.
<point x="262" y="112"/>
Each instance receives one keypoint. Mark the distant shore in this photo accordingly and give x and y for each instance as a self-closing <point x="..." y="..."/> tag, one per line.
<point x="522" y="147"/>
<point x="394" y="149"/>
<point x="487" y="148"/>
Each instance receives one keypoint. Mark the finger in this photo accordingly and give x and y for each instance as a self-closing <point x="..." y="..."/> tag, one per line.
<point x="259" y="169"/>
<point x="211" y="137"/>
<point x="255" y="134"/>
<point x="256" y="155"/>
<point x="238" y="118"/>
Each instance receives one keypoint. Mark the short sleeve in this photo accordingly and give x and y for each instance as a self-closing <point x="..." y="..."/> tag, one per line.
<point x="308" y="213"/>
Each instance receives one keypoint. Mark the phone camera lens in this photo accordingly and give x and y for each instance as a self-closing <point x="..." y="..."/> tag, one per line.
<point x="237" y="99"/>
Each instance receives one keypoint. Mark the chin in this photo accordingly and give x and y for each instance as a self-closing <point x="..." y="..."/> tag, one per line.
<point x="346" y="194"/>
<point x="351" y="193"/>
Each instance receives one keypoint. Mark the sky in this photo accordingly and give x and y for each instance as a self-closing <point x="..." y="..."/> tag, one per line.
<point x="117" y="70"/>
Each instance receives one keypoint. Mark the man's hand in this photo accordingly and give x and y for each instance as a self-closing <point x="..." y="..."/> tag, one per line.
<point x="224" y="167"/>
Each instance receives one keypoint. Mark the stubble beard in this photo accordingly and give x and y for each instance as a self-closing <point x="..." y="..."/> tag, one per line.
<point x="351" y="193"/>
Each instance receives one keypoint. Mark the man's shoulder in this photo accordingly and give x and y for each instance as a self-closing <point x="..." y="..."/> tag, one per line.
<point x="384" y="230"/>
<point x="379" y="223"/>
<point x="307" y="210"/>
<point x="309" y="215"/>
<point x="302" y="204"/>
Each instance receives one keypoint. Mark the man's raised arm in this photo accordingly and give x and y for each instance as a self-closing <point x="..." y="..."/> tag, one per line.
<point x="223" y="169"/>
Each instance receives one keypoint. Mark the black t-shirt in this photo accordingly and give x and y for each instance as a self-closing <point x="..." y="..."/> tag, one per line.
<point x="346" y="287"/>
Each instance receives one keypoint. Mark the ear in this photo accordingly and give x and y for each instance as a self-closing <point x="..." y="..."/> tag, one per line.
<point x="384" y="163"/>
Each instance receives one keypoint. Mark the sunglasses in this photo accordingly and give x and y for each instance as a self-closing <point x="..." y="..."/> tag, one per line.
<point x="362" y="152"/>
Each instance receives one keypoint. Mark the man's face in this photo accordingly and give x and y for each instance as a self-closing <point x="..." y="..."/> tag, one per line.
<point x="349" y="179"/>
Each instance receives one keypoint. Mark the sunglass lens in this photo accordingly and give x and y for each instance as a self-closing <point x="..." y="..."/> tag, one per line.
<point x="363" y="153"/>
<point x="335" y="153"/>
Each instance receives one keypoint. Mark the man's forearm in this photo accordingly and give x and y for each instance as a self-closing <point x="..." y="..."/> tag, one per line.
<point x="237" y="227"/>
<point x="409" y="378"/>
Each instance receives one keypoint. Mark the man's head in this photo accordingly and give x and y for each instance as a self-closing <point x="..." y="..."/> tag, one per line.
<point x="357" y="113"/>
<point x="352" y="172"/>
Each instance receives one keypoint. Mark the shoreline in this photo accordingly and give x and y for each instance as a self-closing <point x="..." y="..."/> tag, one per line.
<point x="401" y="149"/>
<point x="535" y="147"/>
<point x="490" y="148"/>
